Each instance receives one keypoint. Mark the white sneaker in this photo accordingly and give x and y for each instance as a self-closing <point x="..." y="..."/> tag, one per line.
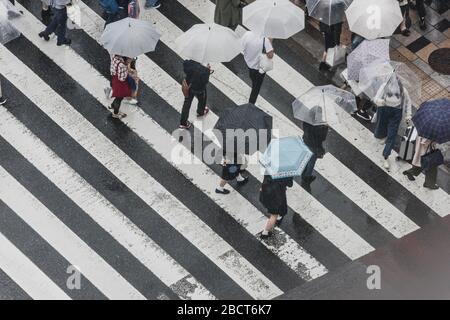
<point x="382" y="141"/>
<point x="131" y="101"/>
<point x="387" y="164"/>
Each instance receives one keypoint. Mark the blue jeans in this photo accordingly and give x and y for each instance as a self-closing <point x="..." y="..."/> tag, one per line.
<point x="388" y="122"/>
<point x="150" y="3"/>
<point x="58" y="25"/>
<point x="307" y="173"/>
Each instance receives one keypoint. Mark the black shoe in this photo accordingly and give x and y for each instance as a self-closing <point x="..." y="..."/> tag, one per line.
<point x="422" y="24"/>
<point x="2" y="101"/>
<point x="406" y="32"/>
<point x="243" y="182"/>
<point x="66" y="42"/>
<point x="409" y="175"/>
<point x="225" y="191"/>
<point x="432" y="187"/>
<point x="323" y="66"/>
<point x="185" y="126"/>
<point x="44" y="36"/>
<point x="279" y="221"/>
<point x="265" y="236"/>
<point x="363" y="115"/>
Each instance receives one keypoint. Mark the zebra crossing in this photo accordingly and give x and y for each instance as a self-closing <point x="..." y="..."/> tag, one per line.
<point x="139" y="225"/>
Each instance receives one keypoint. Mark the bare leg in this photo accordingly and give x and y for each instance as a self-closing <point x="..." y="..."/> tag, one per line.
<point x="270" y="223"/>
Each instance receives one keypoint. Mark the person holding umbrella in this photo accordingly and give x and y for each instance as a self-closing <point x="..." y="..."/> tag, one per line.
<point x="228" y="13"/>
<point x="194" y="85"/>
<point x="256" y="50"/>
<point x="273" y="197"/>
<point x="120" y="87"/>
<point x="392" y="100"/>
<point x="404" y="7"/>
<point x="332" y="38"/>
<point x="314" y="137"/>
<point x="231" y="170"/>
<point x="58" y="23"/>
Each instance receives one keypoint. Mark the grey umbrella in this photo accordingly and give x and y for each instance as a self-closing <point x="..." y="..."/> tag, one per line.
<point x="244" y="129"/>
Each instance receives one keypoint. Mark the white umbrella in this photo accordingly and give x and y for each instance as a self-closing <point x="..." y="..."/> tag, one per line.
<point x="130" y="37"/>
<point x="374" y="19"/>
<point x="279" y="19"/>
<point x="206" y="43"/>
<point x="328" y="11"/>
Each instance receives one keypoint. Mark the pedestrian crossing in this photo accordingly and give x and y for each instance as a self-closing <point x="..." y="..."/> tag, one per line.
<point x="159" y="214"/>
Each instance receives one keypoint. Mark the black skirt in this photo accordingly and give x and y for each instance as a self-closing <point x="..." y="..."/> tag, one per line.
<point x="230" y="171"/>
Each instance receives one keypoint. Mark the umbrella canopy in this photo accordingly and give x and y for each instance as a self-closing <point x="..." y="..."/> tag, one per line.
<point x="206" y="43"/>
<point x="328" y="11"/>
<point x="130" y="37"/>
<point x="244" y="130"/>
<point x="59" y="2"/>
<point x="369" y="51"/>
<point x="279" y="19"/>
<point x="432" y="120"/>
<point x="7" y="30"/>
<point x="384" y="76"/>
<point x="285" y="157"/>
<point x="374" y="19"/>
<point x="324" y="105"/>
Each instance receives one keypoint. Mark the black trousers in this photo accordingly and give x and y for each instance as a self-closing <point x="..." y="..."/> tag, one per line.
<point x="430" y="175"/>
<point x="201" y="97"/>
<point x="58" y="25"/>
<point x="257" y="80"/>
<point x="420" y="6"/>
<point x="116" y="105"/>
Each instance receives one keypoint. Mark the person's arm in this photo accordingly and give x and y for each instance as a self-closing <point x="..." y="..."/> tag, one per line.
<point x="408" y="106"/>
<point x="378" y="99"/>
<point x="269" y="48"/>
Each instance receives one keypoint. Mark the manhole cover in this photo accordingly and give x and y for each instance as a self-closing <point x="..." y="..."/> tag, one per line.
<point x="439" y="61"/>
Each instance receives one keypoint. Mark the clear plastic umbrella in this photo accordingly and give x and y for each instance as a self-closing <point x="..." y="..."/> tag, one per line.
<point x="328" y="11"/>
<point x="324" y="105"/>
<point x="378" y="79"/>
<point x="374" y="19"/>
<point x="366" y="53"/>
<point x="206" y="43"/>
<point x="130" y="37"/>
<point x="8" y="13"/>
<point x="279" y="19"/>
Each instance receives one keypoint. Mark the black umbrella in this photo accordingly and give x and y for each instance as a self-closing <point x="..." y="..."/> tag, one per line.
<point x="244" y="129"/>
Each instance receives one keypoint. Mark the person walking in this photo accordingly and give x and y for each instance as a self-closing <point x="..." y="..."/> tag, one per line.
<point x="194" y="84"/>
<point x="231" y="170"/>
<point x="152" y="4"/>
<point x="256" y="50"/>
<point x="332" y="38"/>
<point x="314" y="137"/>
<point x="423" y="146"/>
<point x="120" y="87"/>
<point x="273" y="197"/>
<point x="228" y="13"/>
<point x="419" y="5"/>
<point x="2" y="99"/>
<point x="394" y="104"/>
<point x="404" y="26"/>
<point x="46" y="12"/>
<point x="58" y="24"/>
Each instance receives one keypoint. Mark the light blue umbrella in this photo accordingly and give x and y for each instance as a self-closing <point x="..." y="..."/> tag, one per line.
<point x="285" y="157"/>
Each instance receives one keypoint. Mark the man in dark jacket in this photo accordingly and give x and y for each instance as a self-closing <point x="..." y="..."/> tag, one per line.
<point x="197" y="78"/>
<point x="313" y="136"/>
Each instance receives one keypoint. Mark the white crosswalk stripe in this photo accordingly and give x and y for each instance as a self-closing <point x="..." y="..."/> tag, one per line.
<point x="178" y="278"/>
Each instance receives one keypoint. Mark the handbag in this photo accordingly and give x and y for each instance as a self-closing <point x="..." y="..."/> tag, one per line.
<point x="185" y="88"/>
<point x="431" y="159"/>
<point x="336" y="56"/>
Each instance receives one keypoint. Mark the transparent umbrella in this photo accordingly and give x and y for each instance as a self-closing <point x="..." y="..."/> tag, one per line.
<point x="324" y="105"/>
<point x="366" y="53"/>
<point x="376" y="79"/>
<point x="206" y="43"/>
<point x="328" y="11"/>
<point x="374" y="19"/>
<point x="8" y="13"/>
<point x="279" y="19"/>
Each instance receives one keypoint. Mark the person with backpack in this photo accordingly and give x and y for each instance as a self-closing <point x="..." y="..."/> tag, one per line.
<point x="273" y="197"/>
<point x="258" y="51"/>
<point x="58" y="24"/>
<point x="194" y="85"/>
